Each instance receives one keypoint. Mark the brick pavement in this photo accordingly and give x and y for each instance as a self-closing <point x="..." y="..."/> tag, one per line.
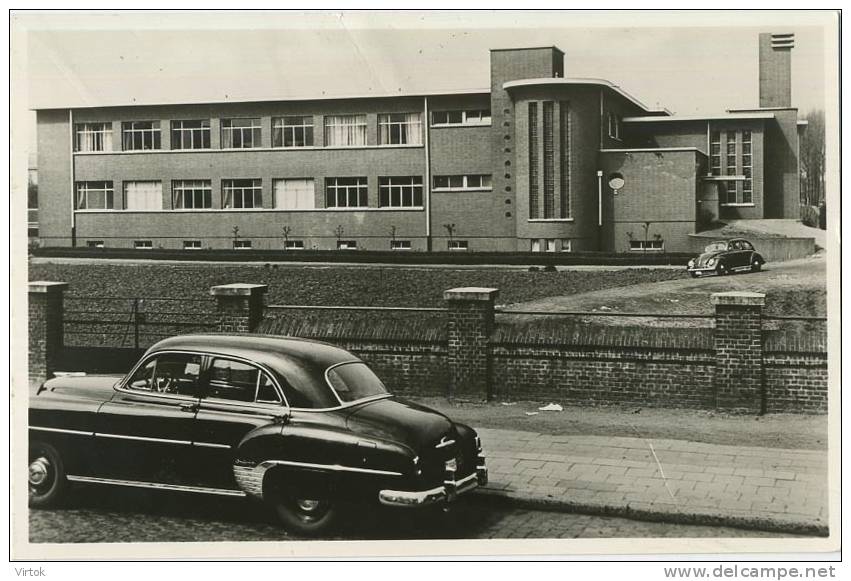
<point x="671" y="480"/>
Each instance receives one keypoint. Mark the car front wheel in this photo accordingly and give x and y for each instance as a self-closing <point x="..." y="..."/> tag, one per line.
<point x="756" y="265"/>
<point x="46" y="476"/>
<point x="304" y="516"/>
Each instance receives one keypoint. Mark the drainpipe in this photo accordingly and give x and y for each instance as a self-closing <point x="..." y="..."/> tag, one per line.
<point x="73" y="190"/>
<point x="427" y="184"/>
<point x="600" y="209"/>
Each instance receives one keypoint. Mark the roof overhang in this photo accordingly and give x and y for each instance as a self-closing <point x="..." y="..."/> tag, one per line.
<point x="693" y="118"/>
<point x="561" y="82"/>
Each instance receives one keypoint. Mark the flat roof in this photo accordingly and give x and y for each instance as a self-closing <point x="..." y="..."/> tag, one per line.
<point x="580" y="81"/>
<point x="275" y="99"/>
<point x="686" y="118"/>
<point x="651" y="150"/>
<point x="551" y="47"/>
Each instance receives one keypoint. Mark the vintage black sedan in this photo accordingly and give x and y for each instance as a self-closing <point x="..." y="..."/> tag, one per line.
<point x="301" y="425"/>
<point x="725" y="257"/>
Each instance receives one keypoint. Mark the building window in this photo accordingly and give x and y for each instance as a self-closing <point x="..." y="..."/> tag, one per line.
<point x="143" y="244"/>
<point x="715" y="153"/>
<point x="536" y="245"/>
<point x="140" y="135"/>
<point x="731" y="153"/>
<point x="241" y="133"/>
<point x="292" y="131"/>
<point x="550" y="244"/>
<point x="534" y="194"/>
<point x="564" y="138"/>
<point x="242" y="244"/>
<point x="400" y="192"/>
<point x="347" y="245"/>
<point x="294" y="194"/>
<point x="190" y="134"/>
<point x="143" y="195"/>
<point x="95" y="196"/>
<point x="467" y="117"/>
<point x="614" y="126"/>
<point x="549" y="162"/>
<point x="346" y="192"/>
<point x="647" y="245"/>
<point x="294" y="245"/>
<point x="192" y="194"/>
<point x="747" y="168"/>
<point x="566" y="245"/>
<point x="729" y="196"/>
<point x="400" y="129"/>
<point x="242" y="194"/>
<point x="94" y="243"/>
<point x="400" y="245"/>
<point x="475" y="182"/>
<point x="93" y="137"/>
<point x="192" y="245"/>
<point x="457" y="245"/>
<point x="345" y="130"/>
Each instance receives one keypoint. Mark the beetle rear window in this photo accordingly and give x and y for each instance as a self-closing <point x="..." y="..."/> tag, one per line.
<point x="355" y="381"/>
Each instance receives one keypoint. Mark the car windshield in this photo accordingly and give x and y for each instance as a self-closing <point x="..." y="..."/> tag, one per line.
<point x="355" y="381"/>
<point x="716" y="247"/>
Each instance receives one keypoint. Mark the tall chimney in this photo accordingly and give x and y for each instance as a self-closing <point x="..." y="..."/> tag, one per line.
<point x="775" y="69"/>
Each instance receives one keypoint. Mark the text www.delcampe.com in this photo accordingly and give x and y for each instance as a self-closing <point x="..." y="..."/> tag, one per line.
<point x="751" y="572"/>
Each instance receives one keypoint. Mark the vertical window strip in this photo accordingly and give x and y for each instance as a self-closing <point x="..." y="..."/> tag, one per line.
<point x="549" y="170"/>
<point x="565" y="128"/>
<point x="534" y="206"/>
<point x="747" y="167"/>
<point x="715" y="153"/>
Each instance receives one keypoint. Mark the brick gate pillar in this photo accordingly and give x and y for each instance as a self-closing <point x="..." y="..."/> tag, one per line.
<point x="46" y="328"/>
<point x="239" y="306"/>
<point x="470" y="322"/>
<point x="738" y="351"/>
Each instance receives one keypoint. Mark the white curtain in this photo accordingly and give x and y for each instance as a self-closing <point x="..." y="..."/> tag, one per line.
<point x="345" y="130"/>
<point x="143" y="195"/>
<point x="294" y="194"/>
<point x="94" y="137"/>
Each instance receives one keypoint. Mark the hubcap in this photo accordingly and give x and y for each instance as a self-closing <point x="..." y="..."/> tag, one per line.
<point x="39" y="471"/>
<point x="308" y="505"/>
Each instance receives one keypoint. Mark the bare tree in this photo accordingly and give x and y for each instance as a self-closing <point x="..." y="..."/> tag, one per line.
<point x="812" y="159"/>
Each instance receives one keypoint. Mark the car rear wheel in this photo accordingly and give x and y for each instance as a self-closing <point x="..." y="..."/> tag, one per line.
<point x="46" y="476"/>
<point x="304" y="516"/>
<point x="756" y="265"/>
<point x="720" y="270"/>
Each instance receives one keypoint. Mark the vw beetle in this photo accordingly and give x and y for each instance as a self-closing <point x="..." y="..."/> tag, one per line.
<point x="301" y="425"/>
<point x="725" y="257"/>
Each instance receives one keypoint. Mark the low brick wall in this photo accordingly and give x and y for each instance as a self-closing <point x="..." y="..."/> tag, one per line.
<point x="795" y="371"/>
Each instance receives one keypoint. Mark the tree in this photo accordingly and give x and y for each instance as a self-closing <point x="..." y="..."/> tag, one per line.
<point x="812" y="159"/>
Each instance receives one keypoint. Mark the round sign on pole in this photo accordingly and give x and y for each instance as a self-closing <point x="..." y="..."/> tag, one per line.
<point x="616" y="182"/>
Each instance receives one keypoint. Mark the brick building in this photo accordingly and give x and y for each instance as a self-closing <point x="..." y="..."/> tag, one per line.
<point x="537" y="162"/>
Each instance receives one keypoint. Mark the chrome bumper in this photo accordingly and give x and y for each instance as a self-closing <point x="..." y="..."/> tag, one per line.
<point x="450" y="489"/>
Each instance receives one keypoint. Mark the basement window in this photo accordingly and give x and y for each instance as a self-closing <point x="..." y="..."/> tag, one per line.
<point x="566" y="245"/>
<point x="400" y="245"/>
<point x="347" y="245"/>
<point x="458" y="245"/>
<point x="143" y="244"/>
<point x="94" y="243"/>
<point x="294" y="245"/>
<point x="647" y="245"/>
<point x="192" y="245"/>
<point x="242" y="244"/>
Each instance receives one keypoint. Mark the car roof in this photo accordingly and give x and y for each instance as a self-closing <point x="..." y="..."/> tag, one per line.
<point x="274" y="351"/>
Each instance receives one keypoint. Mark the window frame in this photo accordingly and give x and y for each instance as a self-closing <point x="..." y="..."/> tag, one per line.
<point x="213" y="357"/>
<point x="643" y="245"/>
<point x="124" y="384"/>
<point x="396" y="135"/>
<point x="360" y="122"/>
<point x="181" y="190"/>
<point x="361" y="189"/>
<point x="191" y="131"/>
<point x="125" y="193"/>
<point x="281" y="128"/>
<point x="296" y="244"/>
<point x="143" y="245"/>
<point x="400" y="245"/>
<point x="465" y="187"/>
<point x="226" y="127"/>
<point x="154" y="131"/>
<point x="256" y="189"/>
<point x="282" y="181"/>
<point x="466" y="119"/>
<point x="186" y="245"/>
<point x="108" y="195"/>
<point x="105" y="133"/>
<point x="242" y="245"/>
<point x="347" y="244"/>
<point x="457" y="245"/>
<point x="387" y="188"/>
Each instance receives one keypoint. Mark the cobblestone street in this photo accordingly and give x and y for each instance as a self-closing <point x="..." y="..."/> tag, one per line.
<point x="111" y="515"/>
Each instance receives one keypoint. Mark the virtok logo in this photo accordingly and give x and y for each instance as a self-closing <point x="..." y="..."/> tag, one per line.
<point x="30" y="572"/>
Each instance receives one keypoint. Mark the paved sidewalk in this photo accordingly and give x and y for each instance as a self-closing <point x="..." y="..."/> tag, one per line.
<point x="671" y="480"/>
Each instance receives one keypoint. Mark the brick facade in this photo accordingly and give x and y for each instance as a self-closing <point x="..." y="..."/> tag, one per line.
<point x="239" y="306"/>
<point x="469" y="326"/>
<point x="738" y="350"/>
<point x="46" y="328"/>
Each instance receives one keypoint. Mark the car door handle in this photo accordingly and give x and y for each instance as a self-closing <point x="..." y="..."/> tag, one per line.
<point x="189" y="407"/>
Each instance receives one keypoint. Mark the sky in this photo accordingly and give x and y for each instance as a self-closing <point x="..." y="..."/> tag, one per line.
<point x="694" y="63"/>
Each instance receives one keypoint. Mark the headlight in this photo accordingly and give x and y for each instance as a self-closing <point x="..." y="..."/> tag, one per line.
<point x="711" y="262"/>
<point x="691" y="262"/>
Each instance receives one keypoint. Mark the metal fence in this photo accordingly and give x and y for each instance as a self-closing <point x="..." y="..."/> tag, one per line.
<point x="133" y="321"/>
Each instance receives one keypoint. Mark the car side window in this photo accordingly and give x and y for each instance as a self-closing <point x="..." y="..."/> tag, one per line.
<point x="242" y="382"/>
<point x="747" y="245"/>
<point x="175" y="373"/>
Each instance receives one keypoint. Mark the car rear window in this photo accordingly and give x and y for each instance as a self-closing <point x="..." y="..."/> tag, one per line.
<point x="355" y="381"/>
